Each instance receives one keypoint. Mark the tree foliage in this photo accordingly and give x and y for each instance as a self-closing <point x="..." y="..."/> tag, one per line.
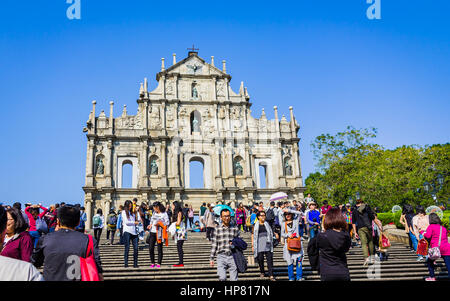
<point x="349" y="164"/>
<point x="328" y="149"/>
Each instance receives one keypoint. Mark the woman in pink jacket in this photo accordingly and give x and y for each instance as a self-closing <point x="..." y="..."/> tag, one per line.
<point x="33" y="214"/>
<point x="432" y="234"/>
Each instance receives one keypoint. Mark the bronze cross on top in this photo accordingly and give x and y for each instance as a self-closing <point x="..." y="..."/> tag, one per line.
<point x="193" y="48"/>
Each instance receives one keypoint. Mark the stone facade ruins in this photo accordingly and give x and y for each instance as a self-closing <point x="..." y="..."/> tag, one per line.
<point x="192" y="115"/>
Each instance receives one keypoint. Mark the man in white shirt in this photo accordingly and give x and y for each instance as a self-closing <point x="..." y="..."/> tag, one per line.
<point x="13" y="269"/>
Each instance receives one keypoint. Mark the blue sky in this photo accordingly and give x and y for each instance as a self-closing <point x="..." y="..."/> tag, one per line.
<point x="325" y="58"/>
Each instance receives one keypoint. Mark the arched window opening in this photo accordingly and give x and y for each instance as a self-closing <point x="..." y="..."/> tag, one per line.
<point x="127" y="174"/>
<point x="262" y="175"/>
<point x="196" y="173"/>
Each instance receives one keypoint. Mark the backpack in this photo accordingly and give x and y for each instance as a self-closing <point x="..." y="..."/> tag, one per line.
<point x="41" y="225"/>
<point x="97" y="221"/>
<point x="248" y="222"/>
<point x="270" y="215"/>
<point x="252" y="218"/>
<point x="81" y="225"/>
<point x="112" y="220"/>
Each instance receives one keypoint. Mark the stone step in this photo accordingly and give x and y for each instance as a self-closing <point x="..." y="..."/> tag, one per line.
<point x="402" y="264"/>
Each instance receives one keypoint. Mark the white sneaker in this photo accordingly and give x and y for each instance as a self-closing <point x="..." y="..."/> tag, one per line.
<point x="366" y="262"/>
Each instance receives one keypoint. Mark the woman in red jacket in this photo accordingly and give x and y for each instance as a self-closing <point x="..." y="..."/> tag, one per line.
<point x="18" y="243"/>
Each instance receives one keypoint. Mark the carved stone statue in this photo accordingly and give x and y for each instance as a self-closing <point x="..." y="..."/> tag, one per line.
<point x="195" y="125"/>
<point x="170" y="118"/>
<point x="194" y="92"/>
<point x="220" y="89"/>
<point x="155" y="120"/>
<point x="153" y="167"/>
<point x="183" y="112"/>
<point x="221" y="113"/>
<point x="287" y="168"/>
<point x="238" y="170"/>
<point x="100" y="166"/>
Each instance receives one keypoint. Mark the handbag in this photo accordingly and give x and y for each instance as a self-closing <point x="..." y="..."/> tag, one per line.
<point x="435" y="253"/>
<point x="181" y="233"/>
<point x="422" y="247"/>
<point x="294" y="244"/>
<point x="384" y="242"/>
<point x="88" y="267"/>
<point x="41" y="225"/>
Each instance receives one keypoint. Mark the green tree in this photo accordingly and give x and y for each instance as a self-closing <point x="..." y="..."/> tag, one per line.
<point x="349" y="163"/>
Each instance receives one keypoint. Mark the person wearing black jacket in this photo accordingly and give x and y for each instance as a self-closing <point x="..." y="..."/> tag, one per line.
<point x="60" y="251"/>
<point x="362" y="218"/>
<point x="333" y="243"/>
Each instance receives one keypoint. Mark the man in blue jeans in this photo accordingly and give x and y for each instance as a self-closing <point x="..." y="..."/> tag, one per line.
<point x="313" y="220"/>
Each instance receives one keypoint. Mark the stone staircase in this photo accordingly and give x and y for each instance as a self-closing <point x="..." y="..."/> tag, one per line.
<point x="402" y="264"/>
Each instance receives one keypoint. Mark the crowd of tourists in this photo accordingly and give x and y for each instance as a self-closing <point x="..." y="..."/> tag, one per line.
<point x="56" y="239"/>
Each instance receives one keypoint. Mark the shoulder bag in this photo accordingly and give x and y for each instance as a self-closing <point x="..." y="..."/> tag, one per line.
<point x="294" y="244"/>
<point x="88" y="267"/>
<point x="435" y="253"/>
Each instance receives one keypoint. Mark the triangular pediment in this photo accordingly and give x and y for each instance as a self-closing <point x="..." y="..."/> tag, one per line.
<point x="192" y="65"/>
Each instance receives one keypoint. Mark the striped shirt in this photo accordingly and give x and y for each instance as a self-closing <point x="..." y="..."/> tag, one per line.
<point x="220" y="243"/>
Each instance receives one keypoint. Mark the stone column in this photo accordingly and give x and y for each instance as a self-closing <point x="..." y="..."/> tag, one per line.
<point x="108" y="165"/>
<point x="177" y="196"/>
<point x="228" y="121"/>
<point x="108" y="202"/>
<point x="144" y="165"/>
<point x="176" y="86"/>
<point x="279" y="158"/>
<point x="215" y="88"/>
<point x="250" y="197"/>
<point x="296" y="169"/>
<point x="248" y="177"/>
<point x="233" y="198"/>
<point x="88" y="206"/>
<point x="172" y="161"/>
<point x="216" y="158"/>
<point x="163" y="116"/>
<point x="93" y="117"/>
<point x="111" y="117"/>
<point x="163" y="78"/>
<point x="163" y="164"/>
<point x="182" y="171"/>
<point x="216" y="119"/>
<point x="90" y="163"/>
<point x="244" y="113"/>
<point x="228" y="163"/>
<point x="146" y="116"/>
<point x="175" y="164"/>
<point x="292" y="123"/>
